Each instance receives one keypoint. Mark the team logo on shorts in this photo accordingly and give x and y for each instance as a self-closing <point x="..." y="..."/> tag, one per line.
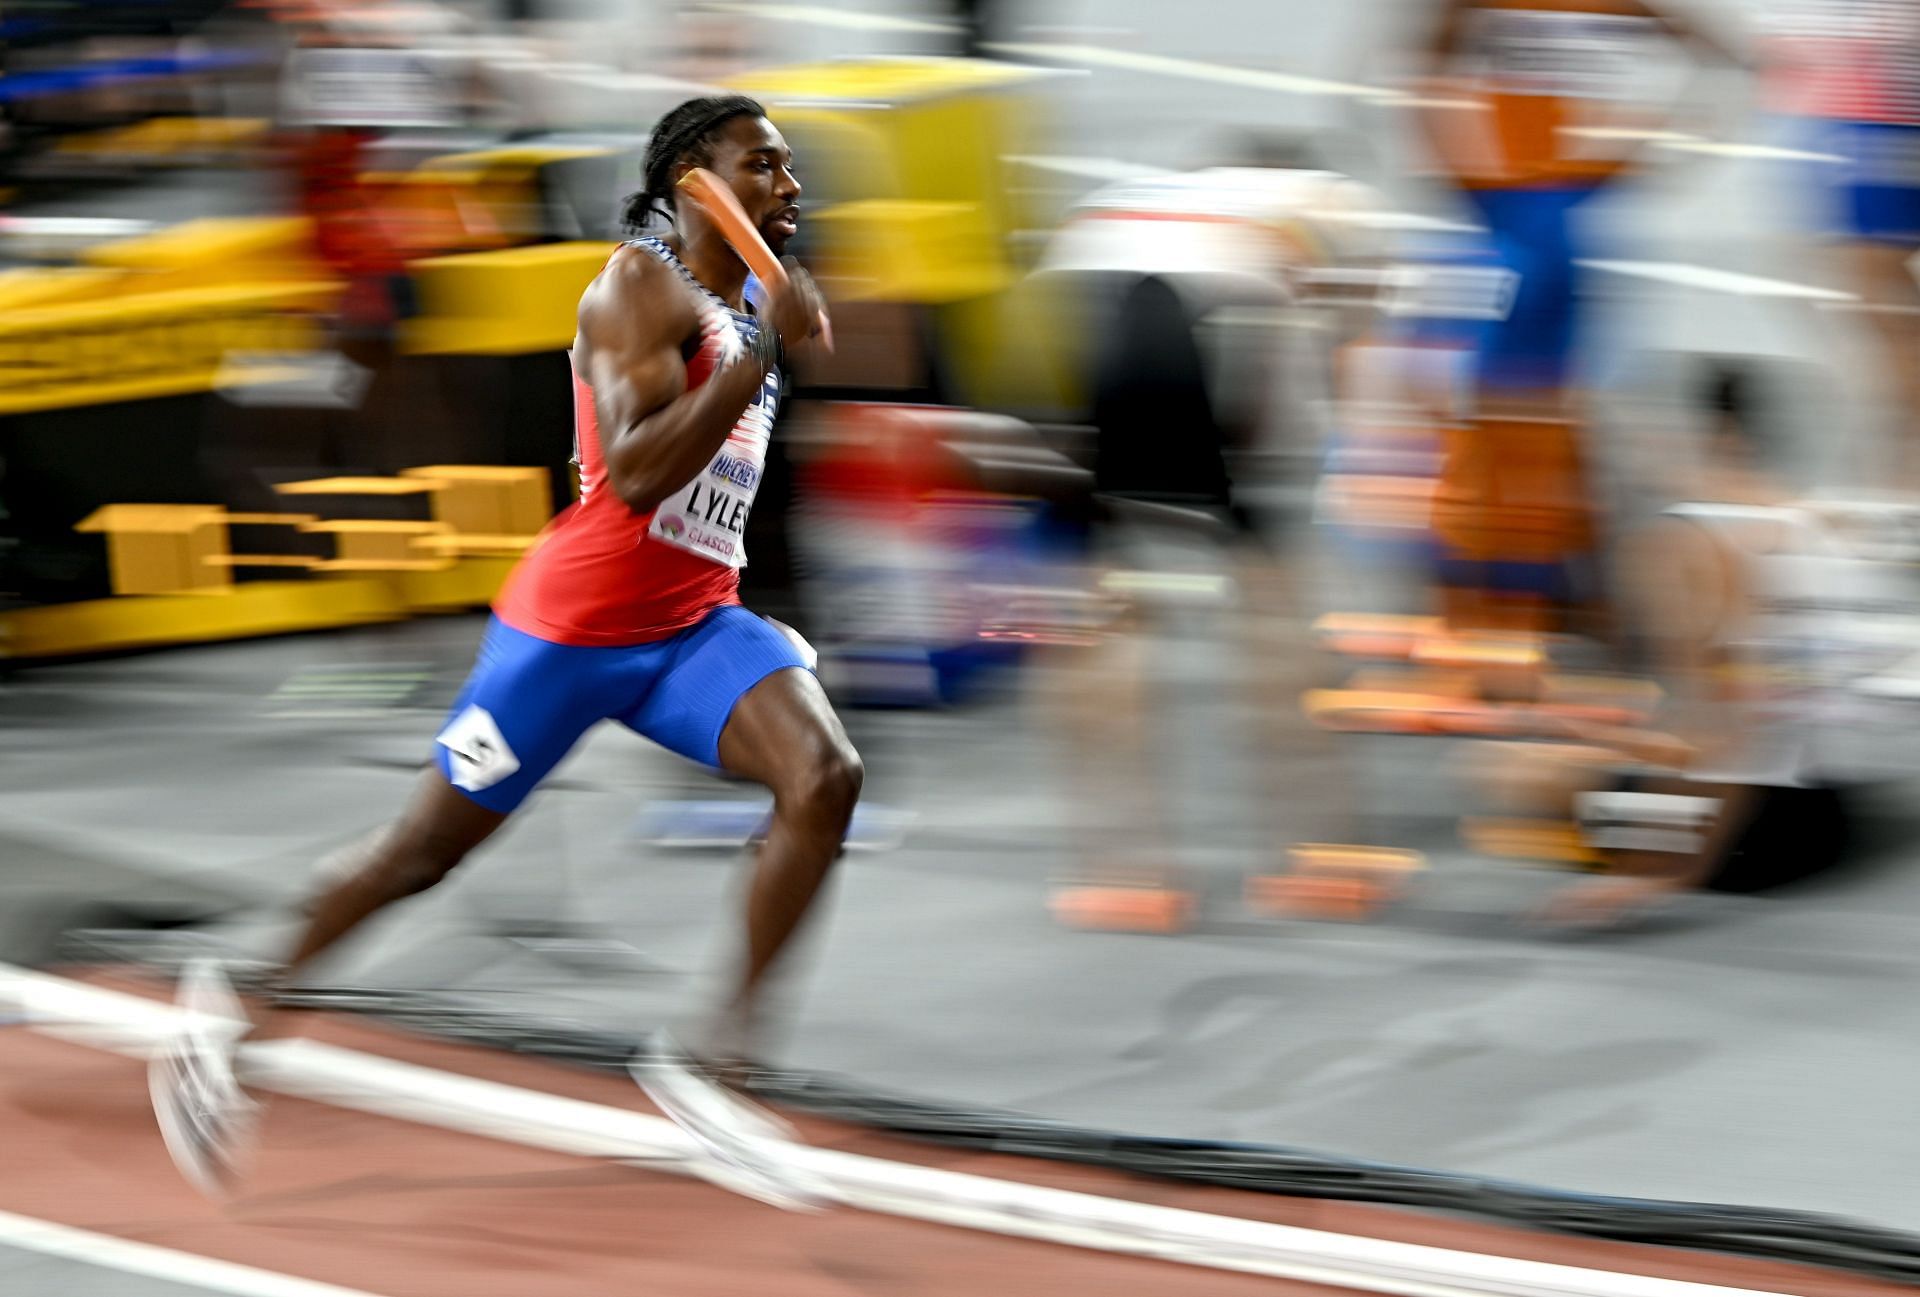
<point x="479" y="755"/>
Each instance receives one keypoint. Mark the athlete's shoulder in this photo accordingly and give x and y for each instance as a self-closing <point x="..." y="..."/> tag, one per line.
<point x="638" y="267"/>
<point x="637" y="283"/>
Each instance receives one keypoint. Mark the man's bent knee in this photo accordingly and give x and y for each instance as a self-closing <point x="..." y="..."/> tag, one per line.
<point x="827" y="787"/>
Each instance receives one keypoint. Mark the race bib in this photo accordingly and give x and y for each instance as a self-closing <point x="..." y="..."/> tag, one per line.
<point x="708" y="516"/>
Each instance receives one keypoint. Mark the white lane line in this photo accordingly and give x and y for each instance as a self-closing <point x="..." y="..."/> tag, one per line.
<point x="134" y="1025"/>
<point x="1719" y="281"/>
<point x="152" y="1262"/>
<point x="1188" y="69"/>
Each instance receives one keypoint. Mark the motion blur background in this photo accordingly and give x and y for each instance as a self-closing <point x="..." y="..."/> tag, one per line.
<point x="1237" y="521"/>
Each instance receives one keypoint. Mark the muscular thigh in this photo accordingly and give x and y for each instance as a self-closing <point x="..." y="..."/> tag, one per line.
<point x="715" y="667"/>
<point x="526" y="704"/>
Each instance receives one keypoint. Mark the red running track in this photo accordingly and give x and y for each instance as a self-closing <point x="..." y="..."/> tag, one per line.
<point x="400" y="1210"/>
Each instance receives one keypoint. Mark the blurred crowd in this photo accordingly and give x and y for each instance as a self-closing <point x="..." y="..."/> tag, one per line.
<point x="1386" y="433"/>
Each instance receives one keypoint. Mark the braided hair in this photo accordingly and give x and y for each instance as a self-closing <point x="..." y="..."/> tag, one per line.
<point x="687" y="133"/>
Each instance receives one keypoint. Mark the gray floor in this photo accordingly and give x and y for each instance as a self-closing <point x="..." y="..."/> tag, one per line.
<point x="1742" y="1050"/>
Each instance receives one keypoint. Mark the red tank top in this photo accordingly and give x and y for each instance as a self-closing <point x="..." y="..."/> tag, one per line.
<point x="603" y="575"/>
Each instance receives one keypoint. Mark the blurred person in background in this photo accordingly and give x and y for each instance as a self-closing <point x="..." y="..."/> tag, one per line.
<point x="981" y="24"/>
<point x="369" y="89"/>
<point x="1217" y="336"/>
<point x="1530" y="108"/>
<point x="1852" y="69"/>
<point x="625" y="609"/>
<point x="359" y="74"/>
<point x="713" y="44"/>
<point x="1750" y="610"/>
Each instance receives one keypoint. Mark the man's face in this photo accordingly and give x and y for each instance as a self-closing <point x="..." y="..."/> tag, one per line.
<point x="753" y="159"/>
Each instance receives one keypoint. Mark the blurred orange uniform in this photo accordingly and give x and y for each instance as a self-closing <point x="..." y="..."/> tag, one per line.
<point x="1529" y="110"/>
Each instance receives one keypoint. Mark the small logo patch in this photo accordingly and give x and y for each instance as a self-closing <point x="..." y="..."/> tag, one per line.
<point x="481" y="757"/>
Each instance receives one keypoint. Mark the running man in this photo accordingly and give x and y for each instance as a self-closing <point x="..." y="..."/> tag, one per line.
<point x="1527" y="104"/>
<point x="625" y="609"/>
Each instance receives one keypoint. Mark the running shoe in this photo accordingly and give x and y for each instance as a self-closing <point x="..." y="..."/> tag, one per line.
<point x="205" y="1117"/>
<point x="742" y="1146"/>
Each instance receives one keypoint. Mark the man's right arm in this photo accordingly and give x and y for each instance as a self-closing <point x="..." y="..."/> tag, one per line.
<point x="656" y="434"/>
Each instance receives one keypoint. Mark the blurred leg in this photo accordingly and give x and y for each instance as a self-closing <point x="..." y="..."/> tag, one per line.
<point x="783" y="733"/>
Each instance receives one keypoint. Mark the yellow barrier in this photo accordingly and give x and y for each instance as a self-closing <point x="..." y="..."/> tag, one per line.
<point x="937" y="129"/>
<point x="184" y="297"/>
<point x="512" y="302"/>
<point x="24" y="289"/>
<point x="906" y="250"/>
<point x="169" y="313"/>
<point x="148" y="345"/>
<point x="478" y="509"/>
<point x="481" y="510"/>
<point x="245" y="611"/>
<point x="379" y="545"/>
<point x="356" y="486"/>
<point x="497" y="507"/>
<point x="218" y="250"/>
<point x="169" y="138"/>
<point x="262" y="608"/>
<point x="162" y="548"/>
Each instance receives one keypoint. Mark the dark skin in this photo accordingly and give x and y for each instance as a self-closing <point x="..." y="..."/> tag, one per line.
<point x="660" y="435"/>
<point x="635" y="322"/>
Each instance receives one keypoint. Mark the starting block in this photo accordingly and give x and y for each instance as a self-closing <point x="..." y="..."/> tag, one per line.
<point x="1330" y="881"/>
<point x="1388" y="711"/>
<point x="1145" y="906"/>
<point x="1503" y="651"/>
<point x="1431" y="642"/>
<point x="1391" y="711"/>
<point x="1556" y="842"/>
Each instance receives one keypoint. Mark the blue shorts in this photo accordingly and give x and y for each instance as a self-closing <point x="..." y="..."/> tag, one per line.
<point x="529" y="700"/>
<point x="1565" y="581"/>
<point x="1532" y="231"/>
